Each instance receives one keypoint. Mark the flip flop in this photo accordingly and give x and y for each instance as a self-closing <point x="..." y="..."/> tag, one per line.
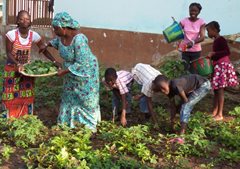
<point x="177" y="140"/>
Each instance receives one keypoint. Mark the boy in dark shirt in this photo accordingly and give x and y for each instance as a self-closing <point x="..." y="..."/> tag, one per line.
<point x="191" y="89"/>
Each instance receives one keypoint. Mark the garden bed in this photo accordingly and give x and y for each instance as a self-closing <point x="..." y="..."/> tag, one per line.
<point x="36" y="141"/>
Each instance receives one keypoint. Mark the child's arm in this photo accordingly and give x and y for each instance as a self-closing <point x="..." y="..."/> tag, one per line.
<point x="124" y="108"/>
<point x="202" y="35"/>
<point x="183" y="96"/>
<point x="150" y="108"/>
<point x="173" y="110"/>
<point x="9" y="46"/>
<point x="138" y="96"/>
<point x="121" y="97"/>
<point x="199" y="39"/>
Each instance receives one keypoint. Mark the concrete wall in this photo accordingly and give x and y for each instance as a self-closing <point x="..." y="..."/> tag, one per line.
<point x="115" y="28"/>
<point x="1" y="12"/>
<point x="124" y="48"/>
<point x="150" y="16"/>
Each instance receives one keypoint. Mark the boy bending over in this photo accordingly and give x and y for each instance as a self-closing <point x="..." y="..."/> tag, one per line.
<point x="120" y="82"/>
<point x="191" y="89"/>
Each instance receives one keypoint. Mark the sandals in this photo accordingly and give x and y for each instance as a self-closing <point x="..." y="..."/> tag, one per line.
<point x="177" y="140"/>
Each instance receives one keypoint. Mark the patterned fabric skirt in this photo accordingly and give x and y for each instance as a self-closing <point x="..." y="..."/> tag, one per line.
<point x="17" y="96"/>
<point x="80" y="102"/>
<point x="224" y="75"/>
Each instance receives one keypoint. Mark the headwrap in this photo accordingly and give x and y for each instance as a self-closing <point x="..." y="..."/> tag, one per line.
<point x="63" y="20"/>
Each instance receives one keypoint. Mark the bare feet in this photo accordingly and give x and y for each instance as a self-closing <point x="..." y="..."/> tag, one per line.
<point x="214" y="113"/>
<point x="178" y="140"/>
<point x="218" y="118"/>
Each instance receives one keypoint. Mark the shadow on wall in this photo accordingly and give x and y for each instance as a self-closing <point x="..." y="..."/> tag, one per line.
<point x="125" y="49"/>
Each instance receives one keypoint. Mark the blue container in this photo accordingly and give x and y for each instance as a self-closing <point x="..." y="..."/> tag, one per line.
<point x="173" y="32"/>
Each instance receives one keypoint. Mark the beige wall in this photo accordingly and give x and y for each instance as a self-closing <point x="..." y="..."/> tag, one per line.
<point x="1" y="13"/>
<point x="1" y="6"/>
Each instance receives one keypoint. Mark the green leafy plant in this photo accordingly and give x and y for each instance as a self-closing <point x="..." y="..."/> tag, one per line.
<point x="7" y="151"/>
<point x="48" y="92"/>
<point x="116" y="147"/>
<point x="173" y="68"/>
<point x="235" y="111"/>
<point x="39" y="67"/>
<point x="25" y="130"/>
<point x="68" y="148"/>
<point x="229" y="155"/>
<point x="1" y="80"/>
<point x="131" y="140"/>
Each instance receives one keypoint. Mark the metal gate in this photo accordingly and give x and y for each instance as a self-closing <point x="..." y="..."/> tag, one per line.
<point x="38" y="9"/>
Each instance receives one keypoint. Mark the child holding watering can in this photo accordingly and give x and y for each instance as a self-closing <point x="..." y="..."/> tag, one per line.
<point x="194" y="32"/>
<point x="224" y="74"/>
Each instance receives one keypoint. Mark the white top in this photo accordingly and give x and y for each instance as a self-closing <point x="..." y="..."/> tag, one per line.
<point x="24" y="41"/>
<point x="144" y="74"/>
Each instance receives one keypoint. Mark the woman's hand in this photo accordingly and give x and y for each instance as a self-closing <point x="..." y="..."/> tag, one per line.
<point x="20" y="67"/>
<point x="43" y="48"/>
<point x="57" y="64"/>
<point x="190" y="44"/>
<point x="62" y="72"/>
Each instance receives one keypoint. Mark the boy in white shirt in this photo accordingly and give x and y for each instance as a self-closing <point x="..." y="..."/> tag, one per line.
<point x="144" y="74"/>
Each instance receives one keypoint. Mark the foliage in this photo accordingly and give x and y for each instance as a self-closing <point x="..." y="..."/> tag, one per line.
<point x="134" y="147"/>
<point x="1" y="80"/>
<point x="6" y="151"/>
<point x="48" y="92"/>
<point x="71" y="148"/>
<point x="235" y="111"/>
<point x="25" y="131"/>
<point x="116" y="147"/>
<point x="173" y="69"/>
<point x="68" y="148"/>
<point x="39" y="67"/>
<point x="232" y="156"/>
<point x="132" y="140"/>
<point x="203" y="137"/>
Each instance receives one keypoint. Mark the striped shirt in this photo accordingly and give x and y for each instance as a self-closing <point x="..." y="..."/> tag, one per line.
<point x="144" y="74"/>
<point x="22" y="46"/>
<point x="123" y="79"/>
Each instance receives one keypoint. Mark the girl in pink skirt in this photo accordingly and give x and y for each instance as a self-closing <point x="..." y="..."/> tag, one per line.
<point x="224" y="74"/>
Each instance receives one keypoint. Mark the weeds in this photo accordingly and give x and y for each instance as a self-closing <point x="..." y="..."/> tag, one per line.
<point x="6" y="152"/>
<point x="25" y="131"/>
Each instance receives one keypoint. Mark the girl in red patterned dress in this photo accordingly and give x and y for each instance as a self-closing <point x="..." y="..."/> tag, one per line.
<point x="18" y="94"/>
<point x="224" y="74"/>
